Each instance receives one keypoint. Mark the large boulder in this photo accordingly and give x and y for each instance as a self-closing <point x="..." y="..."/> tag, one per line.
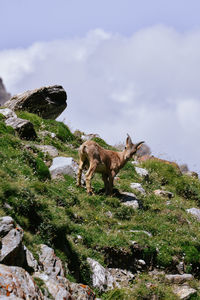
<point x="47" y="102"/>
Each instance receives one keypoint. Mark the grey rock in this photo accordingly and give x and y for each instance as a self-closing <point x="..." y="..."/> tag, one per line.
<point x="106" y="279"/>
<point x="51" y="264"/>
<point x="137" y="186"/>
<point x="195" y="212"/>
<point x="130" y="199"/>
<point x="6" y="224"/>
<point x="141" y="172"/>
<point x="81" y="292"/>
<point x="184" y="292"/>
<point x="31" y="262"/>
<point x="47" y="149"/>
<point x="63" y="166"/>
<point x="11" y="249"/>
<point x="47" y="102"/>
<point x="58" y="287"/>
<point x="142" y="231"/>
<point x="178" y="278"/>
<point x="4" y="95"/>
<point x="23" y="127"/>
<point x="163" y="193"/>
<point x="8" y="113"/>
<point x="15" y="281"/>
<point x="135" y="162"/>
<point x="47" y="133"/>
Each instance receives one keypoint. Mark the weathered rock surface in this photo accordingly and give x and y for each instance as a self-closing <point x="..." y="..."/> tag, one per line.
<point x="47" y="149"/>
<point x="8" y="113"/>
<point x="6" y="224"/>
<point x="178" y="279"/>
<point x="142" y="172"/>
<point x="4" y="95"/>
<point x="130" y="199"/>
<point x="23" y="127"/>
<point x="51" y="264"/>
<point x="184" y="292"/>
<point x="195" y="212"/>
<point x="163" y="193"/>
<point x="15" y="281"/>
<point x="106" y="279"/>
<point x="63" y="166"/>
<point x="12" y="249"/>
<point x="137" y="186"/>
<point x="47" y="102"/>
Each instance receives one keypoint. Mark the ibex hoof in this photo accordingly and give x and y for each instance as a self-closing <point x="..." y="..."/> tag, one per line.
<point x="90" y="193"/>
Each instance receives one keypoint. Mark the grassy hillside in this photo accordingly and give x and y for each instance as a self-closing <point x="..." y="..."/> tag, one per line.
<point x="56" y="212"/>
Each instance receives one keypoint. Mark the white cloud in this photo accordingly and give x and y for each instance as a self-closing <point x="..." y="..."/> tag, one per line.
<point x="146" y="84"/>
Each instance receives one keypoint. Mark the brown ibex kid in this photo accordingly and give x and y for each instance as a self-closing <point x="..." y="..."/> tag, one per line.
<point x="106" y="162"/>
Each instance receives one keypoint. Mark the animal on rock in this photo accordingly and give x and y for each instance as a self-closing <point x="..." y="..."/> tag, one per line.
<point x="106" y="162"/>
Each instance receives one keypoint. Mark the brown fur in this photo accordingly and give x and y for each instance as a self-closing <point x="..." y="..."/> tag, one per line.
<point x="106" y="162"/>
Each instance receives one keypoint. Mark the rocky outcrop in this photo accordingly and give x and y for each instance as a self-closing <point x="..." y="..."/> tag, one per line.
<point x="106" y="279"/>
<point x="47" y="102"/>
<point x="17" y="261"/>
<point x="15" y="281"/>
<point x="4" y="95"/>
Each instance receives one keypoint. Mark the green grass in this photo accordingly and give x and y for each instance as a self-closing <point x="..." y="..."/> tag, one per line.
<point x="54" y="212"/>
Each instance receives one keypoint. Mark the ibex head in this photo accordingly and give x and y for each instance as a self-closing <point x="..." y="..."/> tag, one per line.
<point x="131" y="148"/>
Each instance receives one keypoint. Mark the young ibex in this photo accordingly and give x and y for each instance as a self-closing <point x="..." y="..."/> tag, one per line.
<point x="103" y="161"/>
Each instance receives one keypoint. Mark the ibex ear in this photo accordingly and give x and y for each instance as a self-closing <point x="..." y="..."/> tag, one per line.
<point x="128" y="140"/>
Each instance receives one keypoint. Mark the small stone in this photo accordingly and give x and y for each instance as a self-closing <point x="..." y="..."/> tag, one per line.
<point x="130" y="199"/>
<point x="47" y="149"/>
<point x="184" y="292"/>
<point x="142" y="231"/>
<point x="138" y="187"/>
<point x="163" y="193"/>
<point x="109" y="214"/>
<point x="142" y="172"/>
<point x="195" y="212"/>
<point x="178" y="278"/>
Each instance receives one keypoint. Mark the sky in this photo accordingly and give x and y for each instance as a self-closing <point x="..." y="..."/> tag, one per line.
<point x="127" y="66"/>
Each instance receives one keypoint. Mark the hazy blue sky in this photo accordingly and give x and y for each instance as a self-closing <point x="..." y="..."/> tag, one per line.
<point x="23" y="22"/>
<point x="127" y="66"/>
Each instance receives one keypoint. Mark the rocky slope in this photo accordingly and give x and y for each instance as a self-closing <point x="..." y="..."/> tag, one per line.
<point x="59" y="243"/>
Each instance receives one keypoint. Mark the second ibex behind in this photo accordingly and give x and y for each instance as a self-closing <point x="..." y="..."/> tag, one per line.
<point x="106" y="162"/>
